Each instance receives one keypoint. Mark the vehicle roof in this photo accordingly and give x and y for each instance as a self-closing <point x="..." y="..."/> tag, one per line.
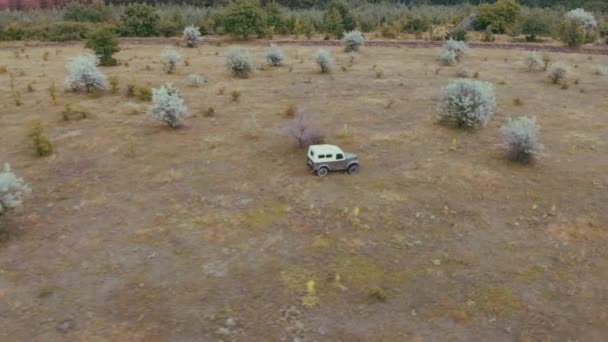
<point x="325" y="148"/>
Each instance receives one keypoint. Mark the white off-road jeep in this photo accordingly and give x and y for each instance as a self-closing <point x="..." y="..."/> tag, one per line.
<point x="325" y="158"/>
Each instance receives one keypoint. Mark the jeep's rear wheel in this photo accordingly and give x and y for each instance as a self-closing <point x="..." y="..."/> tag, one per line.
<point x="353" y="169"/>
<point x="322" y="172"/>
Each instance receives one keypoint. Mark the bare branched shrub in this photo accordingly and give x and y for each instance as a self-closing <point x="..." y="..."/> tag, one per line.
<point x="275" y="56"/>
<point x="192" y="36"/>
<point x="520" y="137"/>
<point x="239" y="62"/>
<point x="452" y="52"/>
<point x="171" y="59"/>
<point x="353" y="41"/>
<point x="534" y="60"/>
<point x="167" y="106"/>
<point x="558" y="73"/>
<point x="303" y="130"/>
<point x="467" y="103"/>
<point x="196" y="80"/>
<point x="83" y="74"/>
<point x="324" y="60"/>
<point x="12" y="190"/>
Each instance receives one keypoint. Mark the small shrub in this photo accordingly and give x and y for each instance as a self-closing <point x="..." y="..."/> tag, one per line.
<point x="104" y="43"/>
<point x="520" y="137"/>
<point x="196" y="80"/>
<point x="239" y="62"/>
<point x="274" y="55"/>
<point x="53" y="92"/>
<point x="114" y="80"/>
<point x="379" y="74"/>
<point x="458" y="34"/>
<point x="324" y="60"/>
<point x="534" y="60"/>
<point x="243" y="18"/>
<point x="30" y="87"/>
<point x="3" y="69"/>
<point x="83" y="74"/>
<point x="210" y="112"/>
<point x="192" y="36"/>
<point x="600" y="70"/>
<point x="463" y="72"/>
<point x="558" y="73"/>
<point x="236" y="94"/>
<point x="171" y="59"/>
<point x="167" y="106"/>
<point x="303" y="131"/>
<point x="17" y="98"/>
<point x="41" y="143"/>
<point x="291" y="111"/>
<point x="12" y="190"/>
<point x="452" y="52"/>
<point x="69" y="114"/>
<point x="572" y="34"/>
<point x="143" y="93"/>
<point x="45" y="56"/>
<point x="565" y="86"/>
<point x="353" y="41"/>
<point x="476" y="74"/>
<point x="518" y="102"/>
<point x="488" y="35"/>
<point x="467" y="103"/>
<point x="546" y="61"/>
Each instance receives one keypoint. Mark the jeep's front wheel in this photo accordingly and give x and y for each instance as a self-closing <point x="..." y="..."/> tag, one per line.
<point x="353" y="169"/>
<point x="322" y="172"/>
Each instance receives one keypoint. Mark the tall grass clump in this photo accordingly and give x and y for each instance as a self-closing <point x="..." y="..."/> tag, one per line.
<point x="239" y="62"/>
<point x="167" y="106"/>
<point x="324" y="60"/>
<point x="467" y="103"/>
<point x="83" y="74"/>
<point x="558" y="73"/>
<point x="353" y="41"/>
<point x="275" y="55"/>
<point x="521" y="139"/>
<point x="452" y="52"/>
<point x="170" y="60"/>
<point x="191" y="36"/>
<point x="12" y="190"/>
<point x="534" y="60"/>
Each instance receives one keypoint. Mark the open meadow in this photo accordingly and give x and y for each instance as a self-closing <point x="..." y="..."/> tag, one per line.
<point x="217" y="230"/>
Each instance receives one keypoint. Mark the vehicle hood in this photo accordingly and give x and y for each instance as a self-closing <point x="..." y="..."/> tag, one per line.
<point x="350" y="155"/>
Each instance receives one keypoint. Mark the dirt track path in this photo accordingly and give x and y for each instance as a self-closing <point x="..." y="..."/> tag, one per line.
<point x="378" y="43"/>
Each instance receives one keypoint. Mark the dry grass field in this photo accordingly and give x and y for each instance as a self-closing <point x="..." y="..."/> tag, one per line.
<point x="217" y="230"/>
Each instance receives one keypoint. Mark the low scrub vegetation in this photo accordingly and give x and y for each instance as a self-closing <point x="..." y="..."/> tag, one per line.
<point x="521" y="138"/>
<point x="558" y="73"/>
<point x="303" y="130"/>
<point x="171" y="59"/>
<point x="467" y="103"/>
<point x="534" y="60"/>
<point x="324" y="60"/>
<point x="40" y="142"/>
<point x="452" y="52"/>
<point x="275" y="55"/>
<point x="196" y="80"/>
<point x="104" y="43"/>
<point x="353" y="41"/>
<point x="239" y="62"/>
<point x="167" y="106"/>
<point x="191" y="36"/>
<point x="12" y="190"/>
<point x="83" y="74"/>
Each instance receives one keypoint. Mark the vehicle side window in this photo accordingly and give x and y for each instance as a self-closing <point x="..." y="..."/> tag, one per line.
<point x="321" y="156"/>
<point x="339" y="156"/>
<point x="312" y="153"/>
<point x="328" y="156"/>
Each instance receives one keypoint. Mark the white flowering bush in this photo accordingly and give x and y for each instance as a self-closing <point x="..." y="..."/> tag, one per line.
<point x="171" y="59"/>
<point x="583" y="18"/>
<point x="324" y="60"/>
<point x="239" y="62"/>
<point x="467" y="103"/>
<point x="452" y="52"/>
<point x="196" y="80"/>
<point x="274" y="55"/>
<point x="534" y="60"/>
<point x="520" y="137"/>
<point x="191" y="36"/>
<point x="600" y="70"/>
<point x="12" y="189"/>
<point x="558" y="72"/>
<point x="353" y="41"/>
<point x="167" y="106"/>
<point x="83" y="74"/>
